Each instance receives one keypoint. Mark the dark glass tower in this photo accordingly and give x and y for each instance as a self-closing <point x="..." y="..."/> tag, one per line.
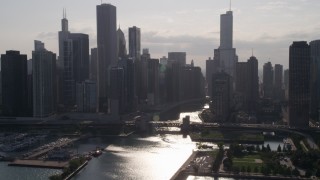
<point x="14" y="84"/>
<point x="299" y="84"/>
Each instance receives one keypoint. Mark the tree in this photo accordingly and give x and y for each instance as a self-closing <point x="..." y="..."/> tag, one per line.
<point x="249" y="169"/>
<point x="258" y="148"/>
<point x="279" y="148"/>
<point x="243" y="169"/>
<point x="256" y="169"/>
<point x="220" y="145"/>
<point x="268" y="148"/>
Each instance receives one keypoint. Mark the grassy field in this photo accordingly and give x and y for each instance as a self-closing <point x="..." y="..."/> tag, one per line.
<point x="240" y="136"/>
<point x="249" y="160"/>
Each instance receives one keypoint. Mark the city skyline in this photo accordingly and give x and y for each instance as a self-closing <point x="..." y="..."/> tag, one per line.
<point x="267" y="27"/>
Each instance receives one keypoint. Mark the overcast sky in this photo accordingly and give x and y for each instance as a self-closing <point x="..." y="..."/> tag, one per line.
<point x="267" y="26"/>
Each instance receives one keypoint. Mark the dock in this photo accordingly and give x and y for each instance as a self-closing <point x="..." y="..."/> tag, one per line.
<point x="40" y="164"/>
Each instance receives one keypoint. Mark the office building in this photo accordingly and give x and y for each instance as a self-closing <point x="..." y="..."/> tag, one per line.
<point x="267" y="80"/>
<point x="93" y="64"/>
<point x="14" y="84"/>
<point x="73" y="63"/>
<point x="107" y="50"/>
<point x="122" y="50"/>
<point x="134" y="43"/>
<point x="86" y="96"/>
<point x="315" y="80"/>
<point x="299" y="84"/>
<point x="44" y="81"/>
<point x="278" y="83"/>
<point x="153" y="81"/>
<point x="117" y="91"/>
<point x="212" y="66"/>
<point x="177" y="57"/>
<point x="221" y="96"/>
<point x="226" y="54"/>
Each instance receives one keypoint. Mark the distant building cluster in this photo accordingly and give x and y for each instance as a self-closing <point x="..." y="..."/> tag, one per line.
<point x="107" y="79"/>
<point x="236" y="92"/>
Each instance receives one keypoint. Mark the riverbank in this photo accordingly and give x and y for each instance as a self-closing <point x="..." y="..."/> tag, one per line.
<point x="40" y="163"/>
<point x="180" y="174"/>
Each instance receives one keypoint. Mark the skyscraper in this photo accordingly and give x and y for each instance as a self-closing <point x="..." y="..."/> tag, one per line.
<point x="247" y="83"/>
<point x="153" y="81"/>
<point x="73" y="62"/>
<point x="253" y="84"/>
<point x="93" y="64"/>
<point x="107" y="50"/>
<point x="122" y="50"/>
<point x="278" y="76"/>
<point x="221" y="96"/>
<point x="14" y="84"/>
<point x="117" y="91"/>
<point x="134" y="43"/>
<point x="267" y="80"/>
<point x="315" y="80"/>
<point x="299" y="84"/>
<point x="226" y="54"/>
<point x="177" y="57"/>
<point x="44" y="81"/>
<point x="212" y="67"/>
<point x="226" y="30"/>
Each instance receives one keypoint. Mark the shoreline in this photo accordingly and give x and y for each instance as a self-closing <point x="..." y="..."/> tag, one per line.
<point x="180" y="172"/>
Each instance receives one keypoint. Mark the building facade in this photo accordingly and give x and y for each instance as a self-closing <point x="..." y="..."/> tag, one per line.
<point x="299" y="86"/>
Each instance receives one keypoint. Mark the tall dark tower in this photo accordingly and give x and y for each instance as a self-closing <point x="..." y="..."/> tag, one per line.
<point x="253" y="84"/>
<point x="267" y="80"/>
<point x="14" y="84"/>
<point x="315" y="80"/>
<point x="122" y="50"/>
<point x="134" y="43"/>
<point x="107" y="50"/>
<point x="44" y="81"/>
<point x="299" y="84"/>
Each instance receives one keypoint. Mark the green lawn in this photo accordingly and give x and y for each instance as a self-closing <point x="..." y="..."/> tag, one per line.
<point x="246" y="161"/>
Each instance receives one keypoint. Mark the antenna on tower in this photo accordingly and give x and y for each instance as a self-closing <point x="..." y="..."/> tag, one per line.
<point x="230" y="6"/>
<point x="252" y="51"/>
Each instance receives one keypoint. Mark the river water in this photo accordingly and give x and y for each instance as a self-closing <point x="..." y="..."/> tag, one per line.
<point x="156" y="157"/>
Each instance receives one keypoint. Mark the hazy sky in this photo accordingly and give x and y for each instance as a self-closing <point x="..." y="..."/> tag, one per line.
<point x="267" y="26"/>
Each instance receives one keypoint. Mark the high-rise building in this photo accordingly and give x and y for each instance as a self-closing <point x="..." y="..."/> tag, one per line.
<point x="253" y="84"/>
<point x="164" y="60"/>
<point x="212" y="66"/>
<point x="117" y="91"/>
<point x="14" y="84"/>
<point x="226" y="30"/>
<point x="315" y="80"/>
<point x="134" y="43"/>
<point x="44" y="81"/>
<point x="93" y="64"/>
<point x="129" y="83"/>
<point x="177" y="57"/>
<point x="226" y="54"/>
<point x="247" y="83"/>
<point x="286" y="83"/>
<point x="278" y="76"/>
<point x="299" y="84"/>
<point x="122" y="50"/>
<point x="153" y="81"/>
<point x="221" y="96"/>
<point x="107" y="50"/>
<point x="86" y="96"/>
<point x="73" y="62"/>
<point x="267" y="80"/>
